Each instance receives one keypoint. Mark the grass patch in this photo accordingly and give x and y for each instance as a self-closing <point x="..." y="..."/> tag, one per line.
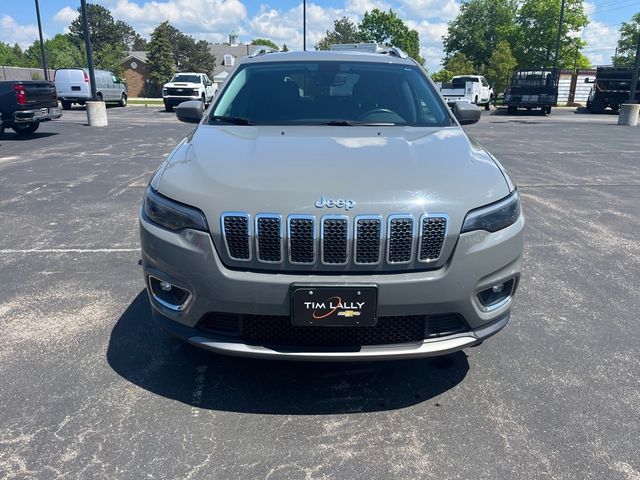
<point x="146" y="102"/>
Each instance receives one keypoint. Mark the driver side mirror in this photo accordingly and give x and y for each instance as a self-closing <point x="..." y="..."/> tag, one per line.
<point x="466" y="113"/>
<point x="190" y="112"/>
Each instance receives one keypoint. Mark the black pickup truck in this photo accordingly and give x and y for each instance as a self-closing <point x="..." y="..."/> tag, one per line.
<point x="24" y="104"/>
<point x="611" y="88"/>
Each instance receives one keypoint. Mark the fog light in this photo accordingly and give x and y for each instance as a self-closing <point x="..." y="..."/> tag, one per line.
<point x="168" y="295"/>
<point x="497" y="295"/>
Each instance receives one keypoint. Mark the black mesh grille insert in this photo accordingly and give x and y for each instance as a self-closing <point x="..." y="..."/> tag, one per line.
<point x="368" y="242"/>
<point x="433" y="232"/>
<point x="236" y="231"/>
<point x="400" y="240"/>
<point x="334" y="240"/>
<point x="278" y="330"/>
<point x="301" y="249"/>
<point x="269" y="239"/>
<point x="445" y="324"/>
<point x="222" y="323"/>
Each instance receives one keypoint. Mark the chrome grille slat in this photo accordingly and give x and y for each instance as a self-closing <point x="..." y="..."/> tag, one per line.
<point x="235" y="231"/>
<point x="400" y="234"/>
<point x="368" y="239"/>
<point x="269" y="238"/>
<point x="302" y="239"/>
<point x="334" y="239"/>
<point x="433" y="230"/>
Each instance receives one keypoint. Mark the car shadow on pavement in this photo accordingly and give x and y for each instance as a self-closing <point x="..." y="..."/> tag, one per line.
<point x="143" y="354"/>
<point x="14" y="137"/>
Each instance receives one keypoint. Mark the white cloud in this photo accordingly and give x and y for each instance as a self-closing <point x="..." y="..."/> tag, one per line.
<point x="438" y="9"/>
<point x="601" y="42"/>
<point x="65" y="16"/>
<point x="12" y="32"/>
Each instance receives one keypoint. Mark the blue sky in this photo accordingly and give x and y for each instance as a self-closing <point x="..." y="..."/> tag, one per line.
<point x="280" y="20"/>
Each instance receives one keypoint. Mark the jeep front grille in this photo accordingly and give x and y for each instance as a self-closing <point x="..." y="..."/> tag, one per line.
<point x="334" y="240"/>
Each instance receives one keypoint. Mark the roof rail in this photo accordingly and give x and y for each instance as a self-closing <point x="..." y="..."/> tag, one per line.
<point x="393" y="51"/>
<point x="262" y="50"/>
<point x="370" y="48"/>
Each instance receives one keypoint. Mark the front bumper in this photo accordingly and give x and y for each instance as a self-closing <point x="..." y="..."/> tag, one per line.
<point x="37" y="115"/>
<point x="189" y="260"/>
<point x="174" y="101"/>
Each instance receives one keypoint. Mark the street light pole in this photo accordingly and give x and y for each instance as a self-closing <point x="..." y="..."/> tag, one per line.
<point x="42" y="53"/>
<point x="636" y="72"/>
<point x="555" y="58"/>
<point x="304" y="25"/>
<point x="87" y="42"/>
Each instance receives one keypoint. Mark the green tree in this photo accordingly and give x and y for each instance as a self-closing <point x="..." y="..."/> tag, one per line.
<point x="344" y="31"/>
<point x="388" y="29"/>
<point x="160" y="59"/>
<point x="284" y="48"/>
<point x="443" y="76"/>
<point x="198" y="58"/>
<point x="140" y="44"/>
<point x="627" y="43"/>
<point x="60" y="52"/>
<point x="265" y="42"/>
<point x="537" y="22"/>
<point x="459" y="64"/>
<point x="478" y="28"/>
<point x="499" y="67"/>
<point x="10" y="57"/>
<point x="110" y="38"/>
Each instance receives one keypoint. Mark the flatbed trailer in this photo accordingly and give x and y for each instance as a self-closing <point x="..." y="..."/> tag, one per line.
<point x="532" y="88"/>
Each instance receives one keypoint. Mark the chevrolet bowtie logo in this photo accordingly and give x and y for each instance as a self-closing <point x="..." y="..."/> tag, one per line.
<point x="348" y="313"/>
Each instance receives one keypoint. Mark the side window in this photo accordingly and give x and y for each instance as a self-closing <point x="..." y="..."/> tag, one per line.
<point x="484" y="81"/>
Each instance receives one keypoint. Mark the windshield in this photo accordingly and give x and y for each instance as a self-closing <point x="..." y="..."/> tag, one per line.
<point x="462" y="81"/>
<point x="334" y="93"/>
<point x="186" y="78"/>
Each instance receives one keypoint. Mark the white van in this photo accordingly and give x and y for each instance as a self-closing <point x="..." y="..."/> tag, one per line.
<point x="73" y="86"/>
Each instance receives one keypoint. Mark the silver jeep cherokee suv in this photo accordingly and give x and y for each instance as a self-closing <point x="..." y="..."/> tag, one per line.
<point x="328" y="206"/>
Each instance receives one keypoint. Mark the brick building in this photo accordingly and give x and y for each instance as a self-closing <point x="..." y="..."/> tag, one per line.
<point x="136" y="74"/>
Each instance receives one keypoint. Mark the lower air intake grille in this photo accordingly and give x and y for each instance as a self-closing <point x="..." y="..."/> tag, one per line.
<point x="236" y="234"/>
<point x="278" y="330"/>
<point x="334" y="240"/>
<point x="432" y="236"/>
<point x="400" y="239"/>
<point x="301" y="240"/>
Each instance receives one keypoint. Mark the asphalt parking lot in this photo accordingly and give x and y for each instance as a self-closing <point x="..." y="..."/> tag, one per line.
<point x="90" y="388"/>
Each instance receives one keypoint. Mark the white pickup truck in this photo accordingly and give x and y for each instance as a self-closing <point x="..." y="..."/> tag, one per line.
<point x="188" y="86"/>
<point x="467" y="88"/>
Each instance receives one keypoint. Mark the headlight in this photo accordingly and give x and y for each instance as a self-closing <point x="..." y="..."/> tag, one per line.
<point x="171" y="215"/>
<point x="164" y="92"/>
<point x="494" y="217"/>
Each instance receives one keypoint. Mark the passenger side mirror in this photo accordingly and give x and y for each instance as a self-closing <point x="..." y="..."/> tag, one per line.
<point x="466" y="113"/>
<point x="190" y="112"/>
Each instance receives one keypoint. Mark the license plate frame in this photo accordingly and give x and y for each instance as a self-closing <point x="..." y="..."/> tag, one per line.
<point x="334" y="305"/>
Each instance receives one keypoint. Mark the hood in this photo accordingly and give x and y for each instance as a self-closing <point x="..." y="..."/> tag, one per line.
<point x="297" y="170"/>
<point x="286" y="170"/>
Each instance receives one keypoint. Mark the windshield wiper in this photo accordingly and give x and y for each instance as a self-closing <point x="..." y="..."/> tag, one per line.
<point x="351" y="123"/>
<point x="232" y="120"/>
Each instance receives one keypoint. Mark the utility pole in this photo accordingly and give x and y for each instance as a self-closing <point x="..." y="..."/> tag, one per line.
<point x="42" y="53"/>
<point x="636" y="72"/>
<point x="304" y="25"/>
<point x="87" y="42"/>
<point x="555" y="58"/>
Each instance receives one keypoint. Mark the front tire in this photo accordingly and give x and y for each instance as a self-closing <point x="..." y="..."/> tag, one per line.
<point x="66" y="105"/>
<point x="1" y="131"/>
<point x="26" y="128"/>
<point x="168" y="107"/>
<point x="512" y="110"/>
<point x="123" y="100"/>
<point x="487" y="106"/>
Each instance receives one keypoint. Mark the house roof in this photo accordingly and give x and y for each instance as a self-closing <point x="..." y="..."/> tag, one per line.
<point x="138" y="55"/>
